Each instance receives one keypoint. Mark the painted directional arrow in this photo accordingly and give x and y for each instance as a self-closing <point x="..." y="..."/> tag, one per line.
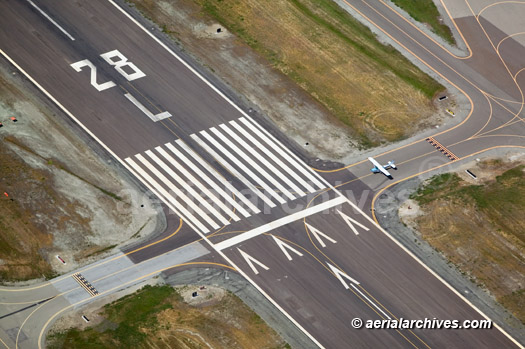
<point x="285" y="247"/>
<point x="317" y="233"/>
<point x="351" y="223"/>
<point x="341" y="276"/>
<point x="250" y="260"/>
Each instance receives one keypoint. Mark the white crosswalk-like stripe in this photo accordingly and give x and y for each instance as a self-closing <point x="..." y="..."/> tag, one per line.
<point x="217" y="176"/>
<point x="283" y="151"/>
<point x="177" y="191"/>
<point x="283" y="165"/>
<point x="202" y="196"/>
<point x="266" y="163"/>
<point x="184" y="213"/>
<point x="257" y="168"/>
<point x="187" y="187"/>
<point x="230" y="168"/>
<point x="205" y="190"/>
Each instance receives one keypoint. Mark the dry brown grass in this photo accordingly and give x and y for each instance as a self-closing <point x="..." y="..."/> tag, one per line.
<point x="481" y="230"/>
<point x="21" y="240"/>
<point x="371" y="88"/>
<point x="158" y="317"/>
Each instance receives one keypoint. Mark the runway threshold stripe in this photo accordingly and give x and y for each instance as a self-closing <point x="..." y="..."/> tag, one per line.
<point x="230" y="168"/>
<point x="255" y="166"/>
<point x="187" y="187"/>
<point x="283" y="151"/>
<point x="186" y="215"/>
<point x="194" y="180"/>
<point x="217" y="176"/>
<point x="266" y="163"/>
<point x="177" y="191"/>
<point x="279" y="223"/>
<point x="283" y="165"/>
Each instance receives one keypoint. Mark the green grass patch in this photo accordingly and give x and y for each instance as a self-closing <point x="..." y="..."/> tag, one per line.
<point x="425" y="11"/>
<point x="125" y="318"/>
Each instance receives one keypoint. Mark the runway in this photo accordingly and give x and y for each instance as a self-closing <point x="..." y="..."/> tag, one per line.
<point x="231" y="184"/>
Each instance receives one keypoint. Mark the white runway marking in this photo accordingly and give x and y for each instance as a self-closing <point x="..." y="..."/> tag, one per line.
<point x="232" y="170"/>
<point x="317" y="233"/>
<point x="186" y="186"/>
<point x="51" y="20"/>
<point x="153" y="117"/>
<point x="273" y="143"/>
<point x="266" y="151"/>
<point x="266" y="163"/>
<point x="217" y="176"/>
<point x="184" y="213"/>
<point x="205" y="190"/>
<point x="257" y="168"/>
<point x="279" y="223"/>
<point x="250" y="260"/>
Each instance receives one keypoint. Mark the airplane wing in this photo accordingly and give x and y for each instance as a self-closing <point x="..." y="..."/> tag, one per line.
<point x="380" y="167"/>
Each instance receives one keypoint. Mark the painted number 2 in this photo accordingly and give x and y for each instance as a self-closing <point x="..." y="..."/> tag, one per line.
<point x="116" y="59"/>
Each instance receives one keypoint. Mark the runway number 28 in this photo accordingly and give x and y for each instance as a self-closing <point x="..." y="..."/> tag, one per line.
<point x="117" y="60"/>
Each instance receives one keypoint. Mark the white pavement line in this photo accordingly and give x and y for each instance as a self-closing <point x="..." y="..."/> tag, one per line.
<point x="250" y="260"/>
<point x="277" y="147"/>
<point x="177" y="191"/>
<point x="279" y="223"/>
<point x="51" y="20"/>
<point x="283" y="165"/>
<point x="220" y="178"/>
<point x="230" y="168"/>
<point x="266" y="163"/>
<point x="228" y="260"/>
<point x="253" y="164"/>
<point x="153" y="117"/>
<point x="208" y="180"/>
<point x="190" y="177"/>
<point x="188" y="187"/>
<point x="369" y="301"/>
<point x="102" y="144"/>
<point x="166" y="195"/>
<point x="153" y="190"/>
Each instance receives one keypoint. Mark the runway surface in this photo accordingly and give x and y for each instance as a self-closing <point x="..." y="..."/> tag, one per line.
<point x="231" y="186"/>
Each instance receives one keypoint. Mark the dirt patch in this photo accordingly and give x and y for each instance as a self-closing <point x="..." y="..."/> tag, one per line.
<point x="478" y="225"/>
<point x="63" y="198"/>
<point x="315" y="86"/>
<point x="159" y="317"/>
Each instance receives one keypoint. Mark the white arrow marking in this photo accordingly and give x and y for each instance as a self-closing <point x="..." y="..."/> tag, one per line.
<point x="339" y="274"/>
<point x="284" y="246"/>
<point x="249" y="259"/>
<point x="317" y="233"/>
<point x="349" y="221"/>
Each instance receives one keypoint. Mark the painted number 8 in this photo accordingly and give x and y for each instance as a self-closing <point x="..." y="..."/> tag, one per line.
<point x="119" y="61"/>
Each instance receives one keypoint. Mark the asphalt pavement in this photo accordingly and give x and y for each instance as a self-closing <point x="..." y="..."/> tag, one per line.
<point x="231" y="184"/>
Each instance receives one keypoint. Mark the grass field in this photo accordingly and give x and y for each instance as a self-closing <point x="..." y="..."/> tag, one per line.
<point x="157" y="317"/>
<point x="425" y="11"/>
<point x="368" y="86"/>
<point x="480" y="228"/>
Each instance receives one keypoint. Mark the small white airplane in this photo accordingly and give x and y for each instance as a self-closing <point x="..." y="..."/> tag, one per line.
<point x="378" y="168"/>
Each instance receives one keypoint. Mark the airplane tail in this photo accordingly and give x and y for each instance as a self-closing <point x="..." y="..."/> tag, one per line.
<point x="392" y="165"/>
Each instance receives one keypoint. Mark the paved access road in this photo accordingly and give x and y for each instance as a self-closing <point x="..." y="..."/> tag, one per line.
<point x="239" y="191"/>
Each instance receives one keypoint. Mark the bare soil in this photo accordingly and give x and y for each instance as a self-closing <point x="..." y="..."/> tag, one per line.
<point x="485" y="243"/>
<point x="63" y="198"/>
<point x="317" y="89"/>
